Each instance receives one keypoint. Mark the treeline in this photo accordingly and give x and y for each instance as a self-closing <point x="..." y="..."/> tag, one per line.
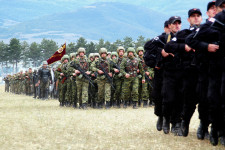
<point x="33" y="54"/>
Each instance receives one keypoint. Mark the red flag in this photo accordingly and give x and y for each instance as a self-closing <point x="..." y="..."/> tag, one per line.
<point x="58" y="54"/>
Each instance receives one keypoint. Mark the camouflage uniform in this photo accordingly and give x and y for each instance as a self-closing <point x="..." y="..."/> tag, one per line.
<point x="104" y="87"/>
<point x="6" y="79"/>
<point x="28" y="83"/>
<point x="131" y="66"/>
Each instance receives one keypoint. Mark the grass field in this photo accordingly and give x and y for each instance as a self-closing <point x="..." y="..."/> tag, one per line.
<point x="26" y="123"/>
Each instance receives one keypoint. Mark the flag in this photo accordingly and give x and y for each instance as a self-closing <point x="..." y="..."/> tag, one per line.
<point x="58" y="54"/>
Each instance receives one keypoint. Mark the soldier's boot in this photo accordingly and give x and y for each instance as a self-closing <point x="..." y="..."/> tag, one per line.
<point x="60" y="104"/>
<point x="185" y="127"/>
<point x="166" y="125"/>
<point x="125" y="104"/>
<point x="202" y="131"/>
<point x="114" y="104"/>
<point x="135" y="105"/>
<point x="178" y="131"/>
<point x="213" y="136"/>
<point x="159" y="123"/>
<point x="107" y="105"/>
<point x="145" y="104"/>
<point x="139" y="103"/>
<point x="173" y="128"/>
<point x="118" y="104"/>
<point x="84" y="106"/>
<point x="74" y="105"/>
<point x="222" y="140"/>
<point x="99" y="105"/>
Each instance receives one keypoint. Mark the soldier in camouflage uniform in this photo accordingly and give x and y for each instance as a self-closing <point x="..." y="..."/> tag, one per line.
<point x="143" y="88"/>
<point x="63" y="76"/>
<point x="104" y="87"/>
<point x="6" y="79"/>
<point x="114" y="58"/>
<point x="118" y="78"/>
<point x="28" y="82"/>
<point x="130" y="68"/>
<point x="44" y="76"/>
<point x="72" y="87"/>
<point x="82" y="82"/>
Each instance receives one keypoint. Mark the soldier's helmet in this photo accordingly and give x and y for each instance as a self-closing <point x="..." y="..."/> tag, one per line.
<point x="140" y="48"/>
<point x="81" y="49"/>
<point x="72" y="55"/>
<point x="120" y="48"/>
<point x="130" y="49"/>
<point x="96" y="54"/>
<point x="65" y="57"/>
<point x="109" y="53"/>
<point x="102" y="50"/>
<point x="44" y="63"/>
<point x="91" y="55"/>
<point x="114" y="53"/>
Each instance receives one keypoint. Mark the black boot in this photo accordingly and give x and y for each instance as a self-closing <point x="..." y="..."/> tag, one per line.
<point x="173" y="128"/>
<point x="107" y="106"/>
<point x="135" y="105"/>
<point x="202" y="131"/>
<point x="222" y="140"/>
<point x="185" y="127"/>
<point x="125" y="104"/>
<point x="60" y="104"/>
<point x="213" y="136"/>
<point x="159" y="123"/>
<point x="145" y="104"/>
<point x="99" y="105"/>
<point x="84" y="106"/>
<point x="178" y="131"/>
<point x="166" y="125"/>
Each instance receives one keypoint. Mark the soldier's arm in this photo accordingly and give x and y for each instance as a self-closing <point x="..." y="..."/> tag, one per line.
<point x="141" y="69"/>
<point x="122" y="67"/>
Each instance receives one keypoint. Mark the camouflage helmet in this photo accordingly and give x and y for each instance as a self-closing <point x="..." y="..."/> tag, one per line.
<point x="44" y="63"/>
<point x="102" y="50"/>
<point x="96" y="55"/>
<point x="120" y="48"/>
<point x="72" y="55"/>
<point x="81" y="49"/>
<point x="65" y="57"/>
<point x="130" y="49"/>
<point x="91" y="55"/>
<point x="140" y="48"/>
<point x="114" y="53"/>
<point x="109" y="53"/>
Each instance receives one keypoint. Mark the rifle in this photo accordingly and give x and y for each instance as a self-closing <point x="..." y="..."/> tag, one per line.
<point x="148" y="80"/>
<point x="107" y="76"/>
<point x="77" y="66"/>
<point x="115" y="65"/>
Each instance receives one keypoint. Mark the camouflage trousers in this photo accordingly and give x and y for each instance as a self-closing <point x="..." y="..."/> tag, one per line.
<point x="104" y="90"/>
<point x="62" y="91"/>
<point x="143" y="91"/>
<point x="44" y="87"/>
<point x="74" y="91"/>
<point x="92" y="93"/>
<point x="118" y="86"/>
<point x="68" y="96"/>
<point x="82" y="90"/>
<point x="6" y="87"/>
<point x="130" y="89"/>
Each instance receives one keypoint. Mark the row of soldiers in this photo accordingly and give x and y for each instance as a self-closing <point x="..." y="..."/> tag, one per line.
<point x="189" y="69"/>
<point x="115" y="79"/>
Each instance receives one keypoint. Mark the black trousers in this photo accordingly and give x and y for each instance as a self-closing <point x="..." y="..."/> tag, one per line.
<point x="202" y="89"/>
<point x="189" y="95"/>
<point x="214" y="93"/>
<point x="172" y="95"/>
<point x="157" y="91"/>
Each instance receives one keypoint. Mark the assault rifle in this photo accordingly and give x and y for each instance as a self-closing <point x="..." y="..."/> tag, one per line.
<point x="107" y="76"/>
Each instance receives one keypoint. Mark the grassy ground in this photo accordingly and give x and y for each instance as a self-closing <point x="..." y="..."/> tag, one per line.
<point x="26" y="123"/>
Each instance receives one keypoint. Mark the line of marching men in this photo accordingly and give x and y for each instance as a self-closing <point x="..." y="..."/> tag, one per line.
<point x="189" y="69"/>
<point x="104" y="79"/>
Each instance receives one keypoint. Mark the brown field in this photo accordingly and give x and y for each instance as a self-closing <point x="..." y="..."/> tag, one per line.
<point x="26" y="123"/>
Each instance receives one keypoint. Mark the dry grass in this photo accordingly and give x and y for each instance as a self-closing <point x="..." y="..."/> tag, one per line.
<point x="26" y="123"/>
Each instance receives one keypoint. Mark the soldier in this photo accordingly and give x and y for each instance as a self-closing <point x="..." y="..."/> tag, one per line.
<point x="153" y="58"/>
<point x="28" y="82"/>
<point x="143" y="87"/>
<point x="6" y="79"/>
<point x="81" y="70"/>
<point x="118" y="78"/>
<point x="130" y="68"/>
<point x="35" y="83"/>
<point x="209" y="40"/>
<point x="104" y="78"/>
<point x="114" y="59"/>
<point x="44" y="76"/>
<point x="92" y="90"/>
